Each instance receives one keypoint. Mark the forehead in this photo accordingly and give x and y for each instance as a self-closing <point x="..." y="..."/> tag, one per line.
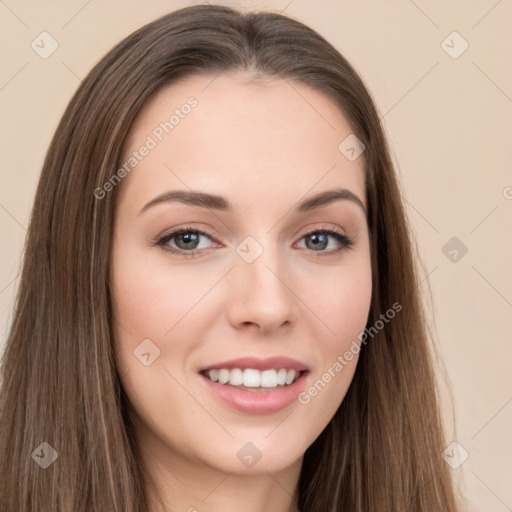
<point x="241" y="138"/>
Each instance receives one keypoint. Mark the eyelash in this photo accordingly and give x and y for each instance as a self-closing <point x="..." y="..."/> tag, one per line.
<point x="346" y="241"/>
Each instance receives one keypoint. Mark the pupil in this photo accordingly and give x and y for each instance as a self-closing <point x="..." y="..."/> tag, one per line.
<point x="187" y="237"/>
<point x="314" y="238"/>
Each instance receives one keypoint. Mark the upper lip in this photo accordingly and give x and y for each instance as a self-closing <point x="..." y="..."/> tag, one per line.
<point x="276" y="362"/>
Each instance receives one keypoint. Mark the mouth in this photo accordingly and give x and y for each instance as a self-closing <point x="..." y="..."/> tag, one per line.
<point x="253" y="380"/>
<point x="253" y="391"/>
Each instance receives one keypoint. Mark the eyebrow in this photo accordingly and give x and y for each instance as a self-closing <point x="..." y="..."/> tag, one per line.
<point x="216" y="202"/>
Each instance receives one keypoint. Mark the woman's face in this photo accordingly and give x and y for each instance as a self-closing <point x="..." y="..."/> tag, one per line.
<point x="265" y="281"/>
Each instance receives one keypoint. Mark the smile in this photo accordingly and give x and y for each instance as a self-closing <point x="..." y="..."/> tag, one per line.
<point x="255" y="399"/>
<point x="251" y="379"/>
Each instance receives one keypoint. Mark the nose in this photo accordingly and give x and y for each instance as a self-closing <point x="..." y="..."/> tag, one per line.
<point x="261" y="295"/>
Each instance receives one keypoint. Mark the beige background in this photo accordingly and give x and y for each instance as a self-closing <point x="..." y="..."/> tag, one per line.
<point x="450" y="124"/>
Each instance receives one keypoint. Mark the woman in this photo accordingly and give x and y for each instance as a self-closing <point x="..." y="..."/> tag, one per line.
<point x="219" y="303"/>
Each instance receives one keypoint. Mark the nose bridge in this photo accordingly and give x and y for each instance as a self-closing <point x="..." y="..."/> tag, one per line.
<point x="262" y="289"/>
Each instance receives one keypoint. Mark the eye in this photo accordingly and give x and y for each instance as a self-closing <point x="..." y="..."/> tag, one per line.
<point x="188" y="239"/>
<point x="319" y="239"/>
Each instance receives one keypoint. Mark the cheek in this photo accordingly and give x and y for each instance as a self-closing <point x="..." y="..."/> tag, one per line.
<point x="350" y="312"/>
<point x="340" y="301"/>
<point x="158" y="309"/>
<point x="340" y="305"/>
<point x="142" y="309"/>
<point x="343" y="308"/>
<point x="149" y="299"/>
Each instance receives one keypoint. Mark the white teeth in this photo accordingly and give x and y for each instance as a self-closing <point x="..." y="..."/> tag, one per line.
<point x="281" y="377"/>
<point x="236" y="377"/>
<point x="269" y="379"/>
<point x="253" y="378"/>
<point x="223" y="376"/>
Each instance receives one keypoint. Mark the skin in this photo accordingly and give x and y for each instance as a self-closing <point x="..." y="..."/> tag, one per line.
<point x="264" y="145"/>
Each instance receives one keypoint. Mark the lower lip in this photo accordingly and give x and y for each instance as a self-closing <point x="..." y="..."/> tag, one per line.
<point x="256" y="402"/>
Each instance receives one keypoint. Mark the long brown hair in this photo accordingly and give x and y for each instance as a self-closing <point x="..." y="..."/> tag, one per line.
<point x="382" y="449"/>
